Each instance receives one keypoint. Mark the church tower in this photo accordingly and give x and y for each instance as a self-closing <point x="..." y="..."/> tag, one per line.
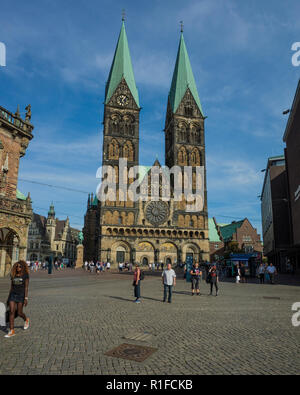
<point x="184" y="134"/>
<point x="120" y="138"/>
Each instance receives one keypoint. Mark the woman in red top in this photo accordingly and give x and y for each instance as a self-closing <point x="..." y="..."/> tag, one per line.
<point x="137" y="283"/>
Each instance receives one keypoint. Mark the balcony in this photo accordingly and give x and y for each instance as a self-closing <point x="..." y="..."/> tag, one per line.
<point x="15" y="121"/>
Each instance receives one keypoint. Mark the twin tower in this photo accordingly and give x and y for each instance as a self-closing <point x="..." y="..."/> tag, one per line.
<point x="153" y="231"/>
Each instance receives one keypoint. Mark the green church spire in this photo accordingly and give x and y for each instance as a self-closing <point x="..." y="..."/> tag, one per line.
<point x="121" y="68"/>
<point x="183" y="78"/>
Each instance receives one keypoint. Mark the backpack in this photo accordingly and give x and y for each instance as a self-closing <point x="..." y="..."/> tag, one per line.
<point x="142" y="275"/>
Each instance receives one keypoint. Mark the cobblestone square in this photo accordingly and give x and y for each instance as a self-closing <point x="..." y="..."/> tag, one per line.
<point x="77" y="317"/>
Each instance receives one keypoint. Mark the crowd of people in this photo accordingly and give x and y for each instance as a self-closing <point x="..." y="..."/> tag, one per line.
<point x="96" y="267"/>
<point x="34" y="266"/>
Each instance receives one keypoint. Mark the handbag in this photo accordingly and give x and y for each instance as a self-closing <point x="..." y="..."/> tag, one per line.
<point x="208" y="278"/>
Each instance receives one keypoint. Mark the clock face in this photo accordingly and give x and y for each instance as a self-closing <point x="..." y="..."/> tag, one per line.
<point x="122" y="100"/>
<point x="157" y="212"/>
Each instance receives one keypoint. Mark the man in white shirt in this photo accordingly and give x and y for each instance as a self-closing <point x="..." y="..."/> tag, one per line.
<point x="168" y="280"/>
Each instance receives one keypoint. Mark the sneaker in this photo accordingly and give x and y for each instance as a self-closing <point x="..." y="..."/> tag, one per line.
<point x="10" y="333"/>
<point x="26" y="325"/>
<point x="137" y="301"/>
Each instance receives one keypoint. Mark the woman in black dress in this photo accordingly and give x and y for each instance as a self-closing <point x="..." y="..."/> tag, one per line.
<point x="18" y="296"/>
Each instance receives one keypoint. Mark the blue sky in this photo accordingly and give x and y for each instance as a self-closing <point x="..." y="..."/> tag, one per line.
<point x="58" y="57"/>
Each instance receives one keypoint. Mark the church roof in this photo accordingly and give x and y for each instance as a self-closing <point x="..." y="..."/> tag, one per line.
<point x="183" y="78"/>
<point x="121" y="68"/>
<point x="227" y="231"/>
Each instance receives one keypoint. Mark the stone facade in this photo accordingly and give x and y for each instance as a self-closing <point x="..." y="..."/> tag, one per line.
<point x="15" y="209"/>
<point x="146" y="231"/>
<point x="51" y="237"/>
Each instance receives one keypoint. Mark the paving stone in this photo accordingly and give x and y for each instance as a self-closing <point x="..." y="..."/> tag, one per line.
<point x="76" y="318"/>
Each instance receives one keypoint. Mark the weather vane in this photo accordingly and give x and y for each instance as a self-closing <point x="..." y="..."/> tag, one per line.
<point x="123" y="15"/>
<point x="181" y="26"/>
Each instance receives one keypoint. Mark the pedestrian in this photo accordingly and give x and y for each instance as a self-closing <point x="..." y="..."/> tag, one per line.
<point x="137" y="283"/>
<point x="272" y="271"/>
<point x="237" y="273"/>
<point x="92" y="267"/>
<point x="108" y="266"/>
<point x="243" y="273"/>
<point x="214" y="280"/>
<point x="153" y="266"/>
<point x="162" y="266"/>
<point x="196" y="274"/>
<point x="169" y="281"/>
<point x="261" y="273"/>
<point x="18" y="295"/>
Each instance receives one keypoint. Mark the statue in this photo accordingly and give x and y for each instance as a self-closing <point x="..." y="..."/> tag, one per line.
<point x="80" y="237"/>
<point x="28" y="113"/>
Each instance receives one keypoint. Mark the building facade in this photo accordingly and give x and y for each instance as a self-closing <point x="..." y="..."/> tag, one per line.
<point x="147" y="231"/>
<point x="275" y="212"/>
<point x="292" y="156"/>
<point x="15" y="209"/>
<point x="51" y="237"/>
<point x="240" y="236"/>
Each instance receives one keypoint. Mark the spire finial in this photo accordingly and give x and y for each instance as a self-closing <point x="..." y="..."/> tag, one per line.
<point x="181" y="26"/>
<point x="123" y="15"/>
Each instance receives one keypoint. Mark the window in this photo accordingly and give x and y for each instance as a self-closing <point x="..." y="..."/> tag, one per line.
<point x="188" y="111"/>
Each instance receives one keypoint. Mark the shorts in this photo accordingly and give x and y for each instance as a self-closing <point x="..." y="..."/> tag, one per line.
<point x="195" y="283"/>
<point x="13" y="297"/>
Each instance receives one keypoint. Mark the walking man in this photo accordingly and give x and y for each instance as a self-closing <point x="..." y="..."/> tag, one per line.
<point x="168" y="280"/>
<point x="261" y="273"/>
<point x="272" y="271"/>
<point x="214" y="279"/>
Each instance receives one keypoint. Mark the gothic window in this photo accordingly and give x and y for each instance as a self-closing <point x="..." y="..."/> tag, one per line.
<point x="113" y="150"/>
<point x="195" y="157"/>
<point x="183" y="131"/>
<point x="182" y="157"/>
<point x="128" y="124"/>
<point x="128" y="151"/>
<point x="115" y="119"/>
<point x="188" y="111"/>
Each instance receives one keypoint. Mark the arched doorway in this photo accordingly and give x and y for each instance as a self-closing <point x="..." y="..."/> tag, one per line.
<point x="121" y="254"/>
<point x="169" y="261"/>
<point x="9" y="250"/>
<point x="145" y="261"/>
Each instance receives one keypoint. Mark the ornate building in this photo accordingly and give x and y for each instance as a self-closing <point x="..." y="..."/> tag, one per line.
<point x="51" y="237"/>
<point x="15" y="209"/>
<point x="145" y="230"/>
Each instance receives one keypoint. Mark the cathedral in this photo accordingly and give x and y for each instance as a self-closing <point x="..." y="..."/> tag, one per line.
<point x="146" y="231"/>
